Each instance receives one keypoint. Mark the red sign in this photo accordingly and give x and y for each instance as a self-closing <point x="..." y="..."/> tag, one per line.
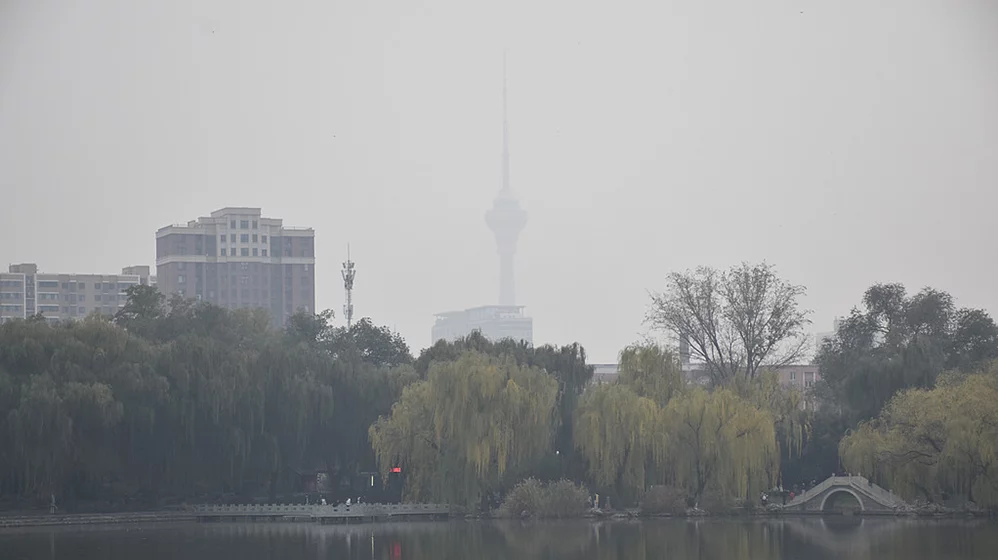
<point x="396" y="469"/>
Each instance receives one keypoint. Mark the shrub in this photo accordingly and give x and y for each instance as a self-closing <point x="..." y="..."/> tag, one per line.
<point x="716" y="502"/>
<point x="664" y="499"/>
<point x="534" y="498"/>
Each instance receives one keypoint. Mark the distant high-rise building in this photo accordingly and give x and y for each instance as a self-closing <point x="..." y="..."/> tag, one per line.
<point x="238" y="259"/>
<point x="24" y="292"/>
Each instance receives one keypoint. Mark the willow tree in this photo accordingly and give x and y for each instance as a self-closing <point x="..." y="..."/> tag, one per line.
<point x="931" y="443"/>
<point x="619" y="434"/>
<point x="721" y="442"/>
<point x="471" y="426"/>
<point x="786" y="404"/>
<point x="651" y="371"/>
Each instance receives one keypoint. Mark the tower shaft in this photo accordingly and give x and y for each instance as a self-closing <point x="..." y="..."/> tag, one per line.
<point x="507" y="285"/>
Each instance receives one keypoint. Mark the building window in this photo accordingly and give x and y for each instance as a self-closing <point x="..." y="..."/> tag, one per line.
<point x="254" y="251"/>
<point x="793" y="376"/>
<point x="244" y="224"/>
<point x="263" y="252"/>
<point x="254" y="224"/>
<point x="244" y="251"/>
<point x="180" y="278"/>
<point x="232" y="224"/>
<point x="223" y="251"/>
<point x="222" y="238"/>
<point x="82" y="310"/>
<point x="254" y="238"/>
<point x="244" y="238"/>
<point x="65" y="285"/>
<point x="263" y="238"/>
<point x="83" y="286"/>
<point x="83" y="297"/>
<point x="96" y="285"/>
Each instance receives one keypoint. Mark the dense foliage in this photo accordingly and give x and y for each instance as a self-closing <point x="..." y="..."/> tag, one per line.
<point x="181" y="401"/>
<point x="934" y="443"/>
<point x="650" y="427"/>
<point x="473" y="426"/>
<point x="894" y="343"/>
<point x="184" y="400"/>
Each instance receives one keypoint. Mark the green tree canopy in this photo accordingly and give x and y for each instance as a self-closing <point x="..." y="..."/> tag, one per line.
<point x="620" y="435"/>
<point x="370" y="343"/>
<point x="566" y="363"/>
<point x="899" y="341"/>
<point x="721" y="442"/>
<point x="471" y="427"/>
<point x="188" y="401"/>
<point x="934" y="443"/>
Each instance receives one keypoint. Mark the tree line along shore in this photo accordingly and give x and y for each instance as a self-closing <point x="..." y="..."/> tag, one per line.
<point x="176" y="402"/>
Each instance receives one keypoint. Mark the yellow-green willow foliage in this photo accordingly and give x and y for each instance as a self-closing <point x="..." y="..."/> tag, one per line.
<point x="474" y="423"/>
<point x="618" y="432"/>
<point x="931" y="442"/>
<point x="786" y="404"/>
<point x="721" y="442"/>
<point x="651" y="371"/>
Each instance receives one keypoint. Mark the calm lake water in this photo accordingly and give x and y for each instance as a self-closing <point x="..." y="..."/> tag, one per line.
<point x="789" y="539"/>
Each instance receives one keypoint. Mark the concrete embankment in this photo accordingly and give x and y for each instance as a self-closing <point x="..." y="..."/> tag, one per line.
<point x="7" y="522"/>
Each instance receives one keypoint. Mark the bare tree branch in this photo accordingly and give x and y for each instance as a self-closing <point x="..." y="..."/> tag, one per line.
<point x="736" y="321"/>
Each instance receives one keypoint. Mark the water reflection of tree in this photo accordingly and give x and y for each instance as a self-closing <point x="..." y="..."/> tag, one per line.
<point x="773" y="539"/>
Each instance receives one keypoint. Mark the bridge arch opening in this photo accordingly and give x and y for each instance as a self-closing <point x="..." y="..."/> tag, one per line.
<point x="842" y="500"/>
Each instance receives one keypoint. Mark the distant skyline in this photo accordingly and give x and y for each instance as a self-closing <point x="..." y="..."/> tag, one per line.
<point x="847" y="143"/>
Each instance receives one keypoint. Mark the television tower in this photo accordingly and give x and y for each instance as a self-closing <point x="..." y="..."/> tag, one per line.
<point x="506" y="219"/>
<point x="348" y="274"/>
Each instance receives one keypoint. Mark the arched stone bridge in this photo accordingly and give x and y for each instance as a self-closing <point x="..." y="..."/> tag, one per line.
<point x="825" y="496"/>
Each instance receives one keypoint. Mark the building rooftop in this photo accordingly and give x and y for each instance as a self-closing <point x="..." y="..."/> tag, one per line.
<point x="482" y="310"/>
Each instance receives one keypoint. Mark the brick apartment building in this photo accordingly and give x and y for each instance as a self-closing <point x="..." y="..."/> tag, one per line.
<point x="238" y="259"/>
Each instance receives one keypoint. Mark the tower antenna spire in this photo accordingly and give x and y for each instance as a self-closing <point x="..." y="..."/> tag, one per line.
<point x="506" y="219"/>
<point x="348" y="274"/>
<point x="505" y="132"/>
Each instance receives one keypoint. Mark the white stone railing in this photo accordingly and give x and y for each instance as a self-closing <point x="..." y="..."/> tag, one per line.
<point x="312" y="510"/>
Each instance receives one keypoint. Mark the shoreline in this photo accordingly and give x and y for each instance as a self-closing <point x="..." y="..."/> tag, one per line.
<point x="69" y="519"/>
<point x="128" y="518"/>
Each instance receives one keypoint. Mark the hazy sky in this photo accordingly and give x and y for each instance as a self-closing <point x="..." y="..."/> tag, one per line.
<point x="846" y="142"/>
